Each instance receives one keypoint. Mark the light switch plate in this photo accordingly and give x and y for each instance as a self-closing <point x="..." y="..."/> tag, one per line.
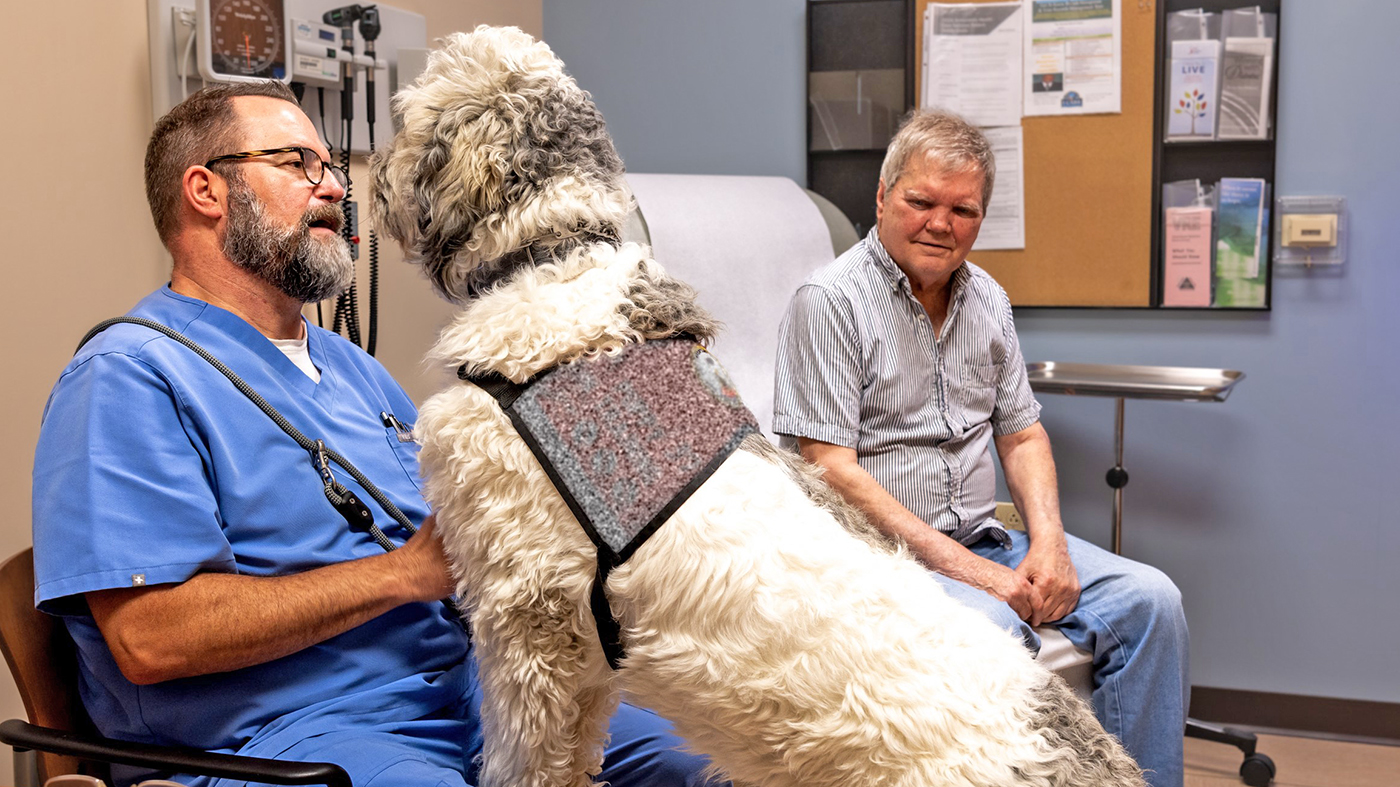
<point x="1309" y="229"/>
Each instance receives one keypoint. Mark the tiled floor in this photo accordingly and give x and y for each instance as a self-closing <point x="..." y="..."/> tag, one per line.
<point x="1302" y="762"/>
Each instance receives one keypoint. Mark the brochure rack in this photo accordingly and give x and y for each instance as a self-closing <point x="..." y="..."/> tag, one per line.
<point x="1209" y="160"/>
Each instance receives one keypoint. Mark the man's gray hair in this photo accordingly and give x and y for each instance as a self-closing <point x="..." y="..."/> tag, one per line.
<point x="947" y="140"/>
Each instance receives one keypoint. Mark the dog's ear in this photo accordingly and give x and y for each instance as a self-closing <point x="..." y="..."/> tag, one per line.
<point x="500" y="153"/>
<point x="443" y="172"/>
<point x="469" y="160"/>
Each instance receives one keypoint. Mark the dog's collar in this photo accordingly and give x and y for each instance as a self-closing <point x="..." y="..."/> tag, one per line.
<point x="499" y="384"/>
<point x="499" y="270"/>
<point x="506" y="265"/>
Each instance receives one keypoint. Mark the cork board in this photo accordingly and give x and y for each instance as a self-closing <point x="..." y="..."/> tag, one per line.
<point x="1088" y="182"/>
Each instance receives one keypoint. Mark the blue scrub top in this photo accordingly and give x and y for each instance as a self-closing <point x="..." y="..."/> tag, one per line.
<point x="151" y="467"/>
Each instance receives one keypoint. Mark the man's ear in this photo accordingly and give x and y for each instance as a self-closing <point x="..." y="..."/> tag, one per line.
<point x="880" y="200"/>
<point x="205" y="192"/>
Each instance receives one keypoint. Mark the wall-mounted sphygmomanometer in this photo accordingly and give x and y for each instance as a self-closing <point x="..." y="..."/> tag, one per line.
<point x="244" y="40"/>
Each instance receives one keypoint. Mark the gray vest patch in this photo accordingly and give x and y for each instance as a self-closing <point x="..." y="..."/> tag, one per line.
<point x="627" y="438"/>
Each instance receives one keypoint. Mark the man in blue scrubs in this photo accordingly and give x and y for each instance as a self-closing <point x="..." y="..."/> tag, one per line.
<point x="218" y="600"/>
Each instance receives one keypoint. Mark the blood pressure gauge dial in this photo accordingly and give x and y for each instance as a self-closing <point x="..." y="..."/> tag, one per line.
<point x="244" y="40"/>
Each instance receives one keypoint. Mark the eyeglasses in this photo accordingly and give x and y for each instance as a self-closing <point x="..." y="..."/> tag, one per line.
<point x="312" y="165"/>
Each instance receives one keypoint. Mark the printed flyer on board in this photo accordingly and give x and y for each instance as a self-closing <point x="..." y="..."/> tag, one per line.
<point x="1074" y="58"/>
<point x="1004" y="226"/>
<point x="972" y="61"/>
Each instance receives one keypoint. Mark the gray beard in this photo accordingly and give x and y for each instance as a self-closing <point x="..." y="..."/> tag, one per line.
<point x="305" y="268"/>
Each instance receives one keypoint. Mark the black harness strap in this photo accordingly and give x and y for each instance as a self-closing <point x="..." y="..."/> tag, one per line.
<point x="505" y="393"/>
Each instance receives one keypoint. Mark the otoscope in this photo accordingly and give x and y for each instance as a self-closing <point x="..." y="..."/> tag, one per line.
<point x="369" y="30"/>
<point x="347" y="305"/>
<point x="345" y="18"/>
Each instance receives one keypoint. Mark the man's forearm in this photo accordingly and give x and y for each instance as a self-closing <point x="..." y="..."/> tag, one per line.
<point x="1029" y="468"/>
<point x="937" y="551"/>
<point x="221" y="622"/>
<point x="860" y="489"/>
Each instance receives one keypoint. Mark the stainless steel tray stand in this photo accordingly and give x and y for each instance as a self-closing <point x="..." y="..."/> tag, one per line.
<point x="1170" y="383"/>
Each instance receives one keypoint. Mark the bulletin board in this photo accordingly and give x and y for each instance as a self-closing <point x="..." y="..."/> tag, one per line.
<point x="1089" y="189"/>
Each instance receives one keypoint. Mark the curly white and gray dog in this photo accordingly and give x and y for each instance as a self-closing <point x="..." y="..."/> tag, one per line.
<point x="782" y="637"/>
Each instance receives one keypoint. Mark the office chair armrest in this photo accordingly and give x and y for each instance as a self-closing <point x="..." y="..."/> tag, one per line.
<point x="24" y="735"/>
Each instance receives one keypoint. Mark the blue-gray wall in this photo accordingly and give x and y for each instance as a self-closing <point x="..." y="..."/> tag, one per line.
<point x="715" y="87"/>
<point x="1278" y="511"/>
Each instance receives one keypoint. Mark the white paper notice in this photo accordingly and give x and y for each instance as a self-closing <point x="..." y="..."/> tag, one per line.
<point x="1074" y="57"/>
<point x="972" y="61"/>
<point x="1005" y="224"/>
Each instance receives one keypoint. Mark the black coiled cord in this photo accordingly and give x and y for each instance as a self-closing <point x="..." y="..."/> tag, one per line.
<point x="347" y="309"/>
<point x="373" y="292"/>
<point x="373" y="337"/>
<point x="302" y="440"/>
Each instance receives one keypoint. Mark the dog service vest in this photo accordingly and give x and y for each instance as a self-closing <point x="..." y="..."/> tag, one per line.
<point x="626" y="439"/>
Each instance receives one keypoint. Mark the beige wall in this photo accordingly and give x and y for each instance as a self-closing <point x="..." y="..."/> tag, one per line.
<point x="76" y="241"/>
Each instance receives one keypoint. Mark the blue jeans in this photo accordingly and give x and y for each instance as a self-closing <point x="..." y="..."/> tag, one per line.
<point x="1129" y="617"/>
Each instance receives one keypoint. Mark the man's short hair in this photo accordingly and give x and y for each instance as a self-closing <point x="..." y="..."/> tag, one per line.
<point x="947" y="140"/>
<point x="196" y="130"/>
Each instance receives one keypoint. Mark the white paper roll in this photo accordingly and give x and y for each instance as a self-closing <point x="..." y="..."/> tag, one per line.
<point x="745" y="243"/>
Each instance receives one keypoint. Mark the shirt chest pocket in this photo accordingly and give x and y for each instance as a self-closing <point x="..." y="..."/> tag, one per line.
<point x="404" y="447"/>
<point x="977" y="391"/>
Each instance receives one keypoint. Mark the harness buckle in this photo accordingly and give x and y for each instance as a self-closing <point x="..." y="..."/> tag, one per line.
<point x="318" y="458"/>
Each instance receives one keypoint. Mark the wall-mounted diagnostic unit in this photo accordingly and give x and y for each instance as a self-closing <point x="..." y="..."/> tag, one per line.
<point x="320" y="47"/>
<point x="318" y="53"/>
<point x="244" y="40"/>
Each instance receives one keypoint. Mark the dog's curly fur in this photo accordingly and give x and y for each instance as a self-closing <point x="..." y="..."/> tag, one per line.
<point x="778" y="631"/>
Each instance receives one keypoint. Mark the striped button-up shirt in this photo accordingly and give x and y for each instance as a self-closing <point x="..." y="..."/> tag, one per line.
<point x="859" y="366"/>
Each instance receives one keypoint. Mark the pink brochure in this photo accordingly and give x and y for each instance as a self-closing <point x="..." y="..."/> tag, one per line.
<point x="1186" y="247"/>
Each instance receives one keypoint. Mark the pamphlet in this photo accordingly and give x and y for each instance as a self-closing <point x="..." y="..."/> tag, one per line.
<point x="1186" y="257"/>
<point x="1193" y="97"/>
<point x="1239" y="269"/>
<point x="1247" y="72"/>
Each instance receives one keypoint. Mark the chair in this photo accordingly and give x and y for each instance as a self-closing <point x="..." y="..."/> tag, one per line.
<point x="43" y="661"/>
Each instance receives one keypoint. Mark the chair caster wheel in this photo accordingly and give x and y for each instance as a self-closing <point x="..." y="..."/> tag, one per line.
<point x="1258" y="770"/>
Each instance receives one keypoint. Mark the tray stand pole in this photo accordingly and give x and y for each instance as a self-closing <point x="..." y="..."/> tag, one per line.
<point x="1117" y="479"/>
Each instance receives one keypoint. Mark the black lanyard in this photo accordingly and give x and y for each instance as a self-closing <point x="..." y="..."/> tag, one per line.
<point x="357" y="514"/>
